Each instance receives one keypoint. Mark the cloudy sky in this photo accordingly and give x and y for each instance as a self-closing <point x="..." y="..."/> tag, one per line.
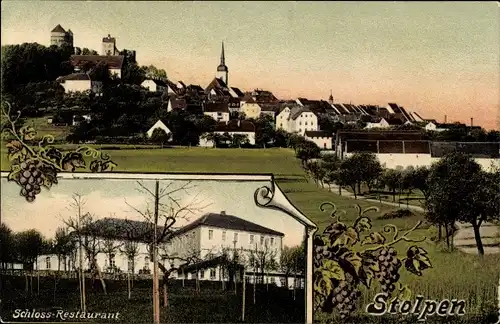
<point x="111" y="198"/>
<point x="438" y="58"/>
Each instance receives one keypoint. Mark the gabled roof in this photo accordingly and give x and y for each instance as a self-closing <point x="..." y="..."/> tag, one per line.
<point x="395" y="108"/>
<point x="238" y="92"/>
<point x="109" y="39"/>
<point x="318" y="134"/>
<point x="113" y="62"/>
<point x="235" y="126"/>
<point x="341" y="109"/>
<point x="177" y="104"/>
<point x="296" y="112"/>
<point x="382" y="135"/>
<point x="215" y="107"/>
<point x="228" y="222"/>
<point x="260" y="96"/>
<point x="274" y="107"/>
<point x="58" y="29"/>
<point x="395" y="121"/>
<point x="195" y="87"/>
<point x="123" y="229"/>
<point x="75" y="77"/>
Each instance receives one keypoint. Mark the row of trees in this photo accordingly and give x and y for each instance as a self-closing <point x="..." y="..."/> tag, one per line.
<point x="454" y="189"/>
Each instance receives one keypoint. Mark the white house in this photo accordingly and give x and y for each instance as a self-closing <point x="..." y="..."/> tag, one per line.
<point x="114" y="62"/>
<point x="154" y="85"/>
<point x="378" y="123"/>
<point x="297" y="120"/>
<point x="158" y="124"/>
<point x="233" y="127"/>
<point x="324" y="140"/>
<point x="217" y="110"/>
<point x="436" y="127"/>
<point x="79" y="82"/>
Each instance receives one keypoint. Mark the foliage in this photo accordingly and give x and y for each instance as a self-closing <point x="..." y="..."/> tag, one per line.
<point x="7" y="248"/>
<point x="35" y="165"/>
<point x="400" y="213"/>
<point x="342" y="258"/>
<point x="29" y="244"/>
<point x="306" y="151"/>
<point x="160" y="136"/>
<point x="459" y="190"/>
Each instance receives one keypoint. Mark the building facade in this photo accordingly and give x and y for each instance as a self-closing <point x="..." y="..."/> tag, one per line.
<point x="297" y="120"/>
<point x="109" y="46"/>
<point x="59" y="36"/>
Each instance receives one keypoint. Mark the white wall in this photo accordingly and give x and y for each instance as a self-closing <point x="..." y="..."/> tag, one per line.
<point x="394" y="160"/>
<point x="77" y="85"/>
<point x="158" y="124"/>
<point x="282" y="121"/>
<point x="218" y="116"/>
<point x="251" y="110"/>
<point x="324" y="143"/>
<point x="306" y="121"/>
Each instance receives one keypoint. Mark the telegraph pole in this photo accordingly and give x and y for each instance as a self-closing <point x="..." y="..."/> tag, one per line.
<point x="156" y="291"/>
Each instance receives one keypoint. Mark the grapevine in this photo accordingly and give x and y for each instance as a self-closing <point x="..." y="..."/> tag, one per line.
<point x="343" y="263"/>
<point x="35" y="165"/>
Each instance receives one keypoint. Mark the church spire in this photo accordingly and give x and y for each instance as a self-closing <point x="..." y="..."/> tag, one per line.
<point x="222" y="57"/>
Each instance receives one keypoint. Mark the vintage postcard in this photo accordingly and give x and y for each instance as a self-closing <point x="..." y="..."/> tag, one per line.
<point x="250" y="162"/>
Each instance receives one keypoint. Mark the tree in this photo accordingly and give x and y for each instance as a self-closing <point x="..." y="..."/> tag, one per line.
<point x="264" y="130"/>
<point x="460" y="191"/>
<point x="391" y="179"/>
<point x="152" y="72"/>
<point x="64" y="245"/>
<point x="292" y="261"/>
<point x="239" y="139"/>
<point x="7" y="248"/>
<point x="162" y="213"/>
<point x="29" y="245"/>
<point x="306" y="151"/>
<point x="359" y="168"/>
<point x="159" y="136"/>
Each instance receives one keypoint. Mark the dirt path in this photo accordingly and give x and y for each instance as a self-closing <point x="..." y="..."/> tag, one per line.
<point x="464" y="237"/>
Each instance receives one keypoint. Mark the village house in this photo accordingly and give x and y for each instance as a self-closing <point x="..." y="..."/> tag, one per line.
<point x="234" y="127"/>
<point x="217" y="110"/>
<point x="436" y="127"/>
<point x="79" y="82"/>
<point x="154" y="85"/>
<point x="296" y="119"/>
<point x="324" y="140"/>
<point x="161" y="125"/>
<point x="114" y="62"/>
<point x="176" y="104"/>
<point x="377" y="122"/>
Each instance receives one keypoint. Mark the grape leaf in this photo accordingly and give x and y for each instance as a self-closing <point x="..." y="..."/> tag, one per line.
<point x="331" y="269"/>
<point x="95" y="166"/>
<point x="425" y="263"/>
<point x="352" y="235"/>
<point x="28" y="133"/>
<point x="72" y="161"/>
<point x="19" y="155"/>
<point x="14" y="172"/>
<point x="363" y="224"/>
<point x="374" y="238"/>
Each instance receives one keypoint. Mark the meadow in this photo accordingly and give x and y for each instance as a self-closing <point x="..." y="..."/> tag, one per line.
<point x="453" y="275"/>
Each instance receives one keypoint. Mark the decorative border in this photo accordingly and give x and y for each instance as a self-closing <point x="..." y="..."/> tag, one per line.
<point x="266" y="196"/>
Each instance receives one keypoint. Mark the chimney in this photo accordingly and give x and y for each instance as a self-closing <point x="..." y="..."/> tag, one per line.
<point x="471" y="122"/>
<point x="223" y="213"/>
<point x="445" y="119"/>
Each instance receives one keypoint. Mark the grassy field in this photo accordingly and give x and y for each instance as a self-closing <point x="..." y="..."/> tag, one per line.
<point x="210" y="304"/>
<point x="454" y="274"/>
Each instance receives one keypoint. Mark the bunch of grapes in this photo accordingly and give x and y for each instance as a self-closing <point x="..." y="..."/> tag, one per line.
<point x="389" y="266"/>
<point x="31" y="179"/>
<point x="345" y="296"/>
<point x="320" y="252"/>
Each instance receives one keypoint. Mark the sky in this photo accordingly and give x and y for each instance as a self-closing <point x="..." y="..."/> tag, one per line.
<point x="436" y="58"/>
<point x="118" y="198"/>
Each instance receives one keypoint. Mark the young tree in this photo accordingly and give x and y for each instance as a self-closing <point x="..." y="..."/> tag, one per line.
<point x="63" y="246"/>
<point x="306" y="151"/>
<point x="159" y="136"/>
<point x="29" y="244"/>
<point x="239" y="139"/>
<point x="391" y="179"/>
<point x="165" y="209"/>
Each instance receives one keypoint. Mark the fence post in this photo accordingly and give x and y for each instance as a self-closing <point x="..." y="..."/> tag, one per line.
<point x="404" y="151"/>
<point x="378" y="147"/>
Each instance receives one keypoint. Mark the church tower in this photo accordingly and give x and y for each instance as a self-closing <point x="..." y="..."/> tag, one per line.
<point x="330" y="99"/>
<point x="222" y="71"/>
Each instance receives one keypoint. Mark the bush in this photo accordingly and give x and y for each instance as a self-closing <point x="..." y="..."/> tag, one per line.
<point x="400" y="213"/>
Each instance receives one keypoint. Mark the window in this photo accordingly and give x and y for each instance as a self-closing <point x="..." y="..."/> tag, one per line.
<point x="202" y="274"/>
<point x="262" y="240"/>
<point x="236" y="237"/>
<point x="300" y="123"/>
<point x="212" y="273"/>
<point x="223" y="235"/>
<point x="251" y="239"/>
<point x="112" y="262"/>
<point x="281" y="124"/>
<point x="47" y="263"/>
<point x="306" y="123"/>
<point x="146" y="263"/>
<point x="300" y="130"/>
<point x="272" y="240"/>
<point x="267" y="242"/>
<point x="210" y="234"/>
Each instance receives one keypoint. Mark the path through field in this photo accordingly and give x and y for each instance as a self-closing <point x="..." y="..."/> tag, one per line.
<point x="464" y="238"/>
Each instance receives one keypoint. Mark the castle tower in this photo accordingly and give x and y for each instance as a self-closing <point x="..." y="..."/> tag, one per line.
<point x="222" y="71"/>
<point x="59" y="37"/>
<point x="330" y="99"/>
<point x="109" y="46"/>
